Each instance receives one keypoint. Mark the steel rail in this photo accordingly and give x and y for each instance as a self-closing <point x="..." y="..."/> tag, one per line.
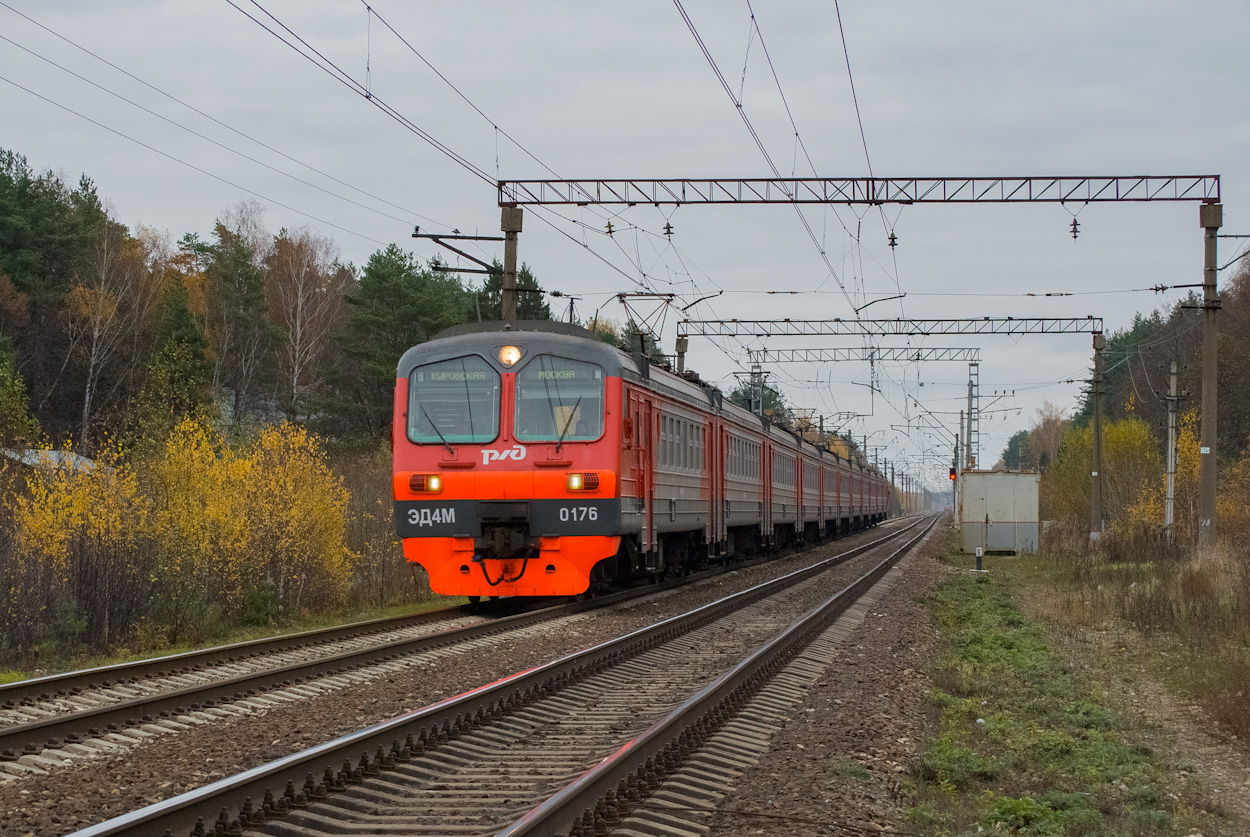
<point x="23" y="739"/>
<point x="600" y="797"/>
<point x="58" y="685"/>
<point x="28" y="738"/>
<point x="292" y="782"/>
<point x="52" y="686"/>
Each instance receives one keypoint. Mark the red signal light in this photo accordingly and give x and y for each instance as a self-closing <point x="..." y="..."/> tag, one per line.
<point x="952" y="473"/>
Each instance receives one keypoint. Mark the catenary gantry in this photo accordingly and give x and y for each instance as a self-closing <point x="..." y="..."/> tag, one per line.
<point x="860" y="190"/>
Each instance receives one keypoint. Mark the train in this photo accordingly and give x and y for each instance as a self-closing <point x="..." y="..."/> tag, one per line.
<point x="535" y="459"/>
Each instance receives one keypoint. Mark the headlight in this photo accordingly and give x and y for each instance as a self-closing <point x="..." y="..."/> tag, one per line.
<point x="425" y="483"/>
<point x="583" y="482"/>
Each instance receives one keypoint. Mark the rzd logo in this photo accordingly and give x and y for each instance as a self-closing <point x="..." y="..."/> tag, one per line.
<point x="516" y="452"/>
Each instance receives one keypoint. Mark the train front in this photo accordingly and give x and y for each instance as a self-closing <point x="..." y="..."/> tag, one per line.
<point x="507" y="446"/>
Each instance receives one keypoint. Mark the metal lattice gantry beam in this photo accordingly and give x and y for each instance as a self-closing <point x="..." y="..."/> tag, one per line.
<point x="860" y="190"/>
<point x="811" y="328"/>
<point x="905" y="354"/>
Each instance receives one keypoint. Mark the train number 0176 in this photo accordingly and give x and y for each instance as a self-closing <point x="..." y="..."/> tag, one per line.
<point x="576" y="513"/>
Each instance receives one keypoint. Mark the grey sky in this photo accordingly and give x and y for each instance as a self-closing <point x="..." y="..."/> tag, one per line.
<point x="621" y="89"/>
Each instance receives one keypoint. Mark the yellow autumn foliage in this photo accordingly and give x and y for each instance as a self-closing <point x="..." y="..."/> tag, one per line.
<point x="200" y="520"/>
<point x="1131" y="465"/>
<point x="79" y="537"/>
<point x="186" y="536"/>
<point x="297" y="508"/>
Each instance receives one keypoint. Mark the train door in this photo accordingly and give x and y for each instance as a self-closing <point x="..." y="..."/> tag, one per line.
<point x="650" y="537"/>
<point x="766" y="481"/>
<point x="640" y="458"/>
<point x="820" y="495"/>
<point x="714" y="470"/>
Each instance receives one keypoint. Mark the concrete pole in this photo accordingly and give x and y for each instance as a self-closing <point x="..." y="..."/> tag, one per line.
<point x="1210" y="215"/>
<point x="894" y="488"/>
<point x="958" y="470"/>
<point x="1169" y="513"/>
<point x="757" y="389"/>
<point x="510" y="223"/>
<point x="969" y="453"/>
<point x="961" y="463"/>
<point x="1095" y="480"/>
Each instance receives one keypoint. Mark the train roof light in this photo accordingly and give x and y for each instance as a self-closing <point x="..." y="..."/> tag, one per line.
<point x="509" y="355"/>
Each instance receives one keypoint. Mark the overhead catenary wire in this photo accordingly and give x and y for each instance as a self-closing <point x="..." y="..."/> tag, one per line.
<point x="759" y="143"/>
<point x="192" y="166"/>
<point x="338" y="74"/>
<point x="644" y="272"/>
<point x="863" y="136"/>
<point x="212" y="141"/>
<point x="217" y="121"/>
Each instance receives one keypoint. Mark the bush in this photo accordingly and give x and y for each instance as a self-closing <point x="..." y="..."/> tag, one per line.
<point x="176" y="543"/>
<point x="80" y="536"/>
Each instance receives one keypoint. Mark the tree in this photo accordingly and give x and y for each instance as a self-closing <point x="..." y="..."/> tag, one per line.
<point x="103" y="309"/>
<point x="774" y="407"/>
<point x="239" y="336"/>
<point x="1046" y="435"/>
<point x="46" y="229"/>
<point x="397" y="304"/>
<point x="305" y="286"/>
<point x="177" y="378"/>
<point x="630" y="337"/>
<point x="1016" y="454"/>
<point x="17" y="427"/>
<point x="531" y="302"/>
<point x="1131" y="466"/>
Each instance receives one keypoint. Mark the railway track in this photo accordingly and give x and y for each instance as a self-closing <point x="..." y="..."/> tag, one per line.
<point x="81" y="715"/>
<point x="475" y="762"/>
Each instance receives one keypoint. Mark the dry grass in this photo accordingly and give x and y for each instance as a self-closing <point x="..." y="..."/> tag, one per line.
<point x="1194" y="610"/>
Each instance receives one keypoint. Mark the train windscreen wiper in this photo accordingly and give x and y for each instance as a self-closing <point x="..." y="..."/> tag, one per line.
<point x="446" y="443"/>
<point x="568" y="421"/>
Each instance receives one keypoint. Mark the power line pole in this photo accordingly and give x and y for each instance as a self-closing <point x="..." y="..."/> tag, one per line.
<point x="1210" y="216"/>
<point x="510" y="223"/>
<point x="1169" y="516"/>
<point x="757" y="389"/>
<point x="1095" y="480"/>
<point x="961" y="456"/>
<point x="974" y="413"/>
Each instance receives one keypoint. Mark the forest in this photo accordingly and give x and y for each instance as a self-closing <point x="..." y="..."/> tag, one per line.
<point x="194" y="432"/>
<point x="1137" y="365"/>
<point x="213" y="415"/>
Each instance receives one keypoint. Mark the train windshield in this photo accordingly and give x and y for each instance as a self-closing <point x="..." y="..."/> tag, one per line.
<point x="559" y="399"/>
<point x="454" y="402"/>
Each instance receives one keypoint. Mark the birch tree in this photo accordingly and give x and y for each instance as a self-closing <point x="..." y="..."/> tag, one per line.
<point x="102" y="309"/>
<point x="305" y="285"/>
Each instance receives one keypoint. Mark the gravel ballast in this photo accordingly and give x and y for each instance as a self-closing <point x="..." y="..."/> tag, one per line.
<point x="71" y="798"/>
<point x="842" y="755"/>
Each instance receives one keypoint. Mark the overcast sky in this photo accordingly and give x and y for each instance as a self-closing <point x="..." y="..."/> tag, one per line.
<point x="603" y="90"/>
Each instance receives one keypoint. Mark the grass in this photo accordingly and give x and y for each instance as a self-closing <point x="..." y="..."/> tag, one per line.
<point x="57" y="662"/>
<point x="849" y="769"/>
<point x="1022" y="745"/>
<point x="1194" y="613"/>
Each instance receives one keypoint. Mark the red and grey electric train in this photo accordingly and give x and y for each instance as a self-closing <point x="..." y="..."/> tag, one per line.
<point x="533" y="459"/>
